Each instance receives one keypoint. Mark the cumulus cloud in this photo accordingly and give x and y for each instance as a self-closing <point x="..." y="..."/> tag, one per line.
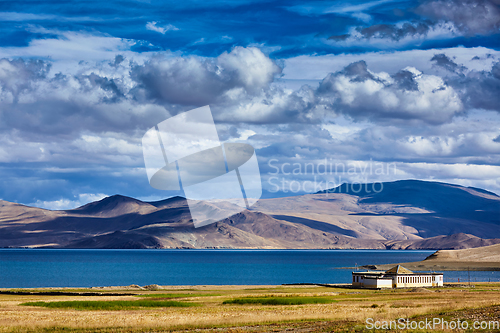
<point x="69" y="104"/>
<point x="408" y="94"/>
<point x="95" y="116"/>
<point x="477" y="89"/>
<point x="123" y="96"/>
<point x="17" y="76"/>
<point x="198" y="81"/>
<point x="273" y="106"/>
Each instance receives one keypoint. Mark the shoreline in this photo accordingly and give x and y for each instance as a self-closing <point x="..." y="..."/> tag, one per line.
<point x="117" y="291"/>
<point x="435" y="265"/>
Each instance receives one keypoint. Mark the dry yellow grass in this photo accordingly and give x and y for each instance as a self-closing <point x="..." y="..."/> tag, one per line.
<point x="352" y="305"/>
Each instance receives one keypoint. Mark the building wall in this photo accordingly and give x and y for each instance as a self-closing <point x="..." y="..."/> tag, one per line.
<point x="398" y="281"/>
<point x="384" y="283"/>
<point x="377" y="283"/>
<point x="439" y="280"/>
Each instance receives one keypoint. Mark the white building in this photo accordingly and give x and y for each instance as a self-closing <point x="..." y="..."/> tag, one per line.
<point x="396" y="277"/>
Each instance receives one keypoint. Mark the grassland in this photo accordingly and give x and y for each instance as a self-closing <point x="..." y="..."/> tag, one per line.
<point x="239" y="308"/>
<point x="109" y="305"/>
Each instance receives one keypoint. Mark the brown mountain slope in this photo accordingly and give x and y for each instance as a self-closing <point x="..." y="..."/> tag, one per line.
<point x="482" y="254"/>
<point x="405" y="215"/>
<point x="455" y="241"/>
<point x="116" y="205"/>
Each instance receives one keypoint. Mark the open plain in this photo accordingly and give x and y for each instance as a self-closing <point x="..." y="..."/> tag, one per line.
<point x="304" y="308"/>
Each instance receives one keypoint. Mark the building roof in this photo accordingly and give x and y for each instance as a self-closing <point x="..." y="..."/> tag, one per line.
<point x="368" y="273"/>
<point x="399" y="270"/>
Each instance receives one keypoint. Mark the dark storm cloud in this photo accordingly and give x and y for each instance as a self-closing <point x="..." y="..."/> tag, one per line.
<point x="441" y="60"/>
<point x="480" y="89"/>
<point x="405" y="80"/>
<point x="433" y="19"/>
<point x="470" y="16"/>
<point x="388" y="31"/>
<point x="118" y="60"/>
<point x="477" y="89"/>
<point x="18" y="76"/>
<point x="108" y="85"/>
<point x="358" y="71"/>
<point x="495" y="70"/>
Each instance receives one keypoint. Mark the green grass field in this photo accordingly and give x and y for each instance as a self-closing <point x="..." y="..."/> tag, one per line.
<point x="176" y="295"/>
<point x="109" y="305"/>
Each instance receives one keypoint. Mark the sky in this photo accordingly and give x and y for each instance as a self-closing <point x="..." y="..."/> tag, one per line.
<point x="325" y="91"/>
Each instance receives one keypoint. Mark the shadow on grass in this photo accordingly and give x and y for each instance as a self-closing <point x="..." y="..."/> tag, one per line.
<point x="280" y="300"/>
<point x="175" y="295"/>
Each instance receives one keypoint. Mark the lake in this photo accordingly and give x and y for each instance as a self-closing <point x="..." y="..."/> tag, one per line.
<point x="28" y="268"/>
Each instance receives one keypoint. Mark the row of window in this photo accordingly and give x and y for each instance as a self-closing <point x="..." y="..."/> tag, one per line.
<point x="415" y="279"/>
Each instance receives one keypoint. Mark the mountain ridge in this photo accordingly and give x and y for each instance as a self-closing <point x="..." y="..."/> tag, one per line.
<point x="407" y="214"/>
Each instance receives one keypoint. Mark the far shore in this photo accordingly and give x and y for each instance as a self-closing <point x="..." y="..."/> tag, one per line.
<point x="486" y="258"/>
<point x="435" y="265"/>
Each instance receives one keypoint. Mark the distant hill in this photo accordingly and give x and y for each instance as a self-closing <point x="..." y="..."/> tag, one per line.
<point x="115" y="205"/>
<point x="406" y="214"/>
<point x="486" y="258"/>
<point x="484" y="254"/>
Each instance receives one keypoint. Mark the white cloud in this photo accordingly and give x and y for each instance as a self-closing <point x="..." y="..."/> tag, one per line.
<point x="197" y="81"/>
<point x="409" y="94"/>
<point x="64" y="204"/>
<point x="316" y="67"/>
<point x="23" y="17"/>
<point x="95" y="112"/>
<point x="161" y="29"/>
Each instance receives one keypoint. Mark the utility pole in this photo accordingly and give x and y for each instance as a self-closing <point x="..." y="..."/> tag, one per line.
<point x="468" y="272"/>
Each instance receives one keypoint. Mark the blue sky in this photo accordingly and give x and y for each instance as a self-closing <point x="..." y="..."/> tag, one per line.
<point x="413" y="85"/>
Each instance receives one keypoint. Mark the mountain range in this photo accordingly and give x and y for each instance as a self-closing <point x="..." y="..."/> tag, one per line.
<point x="407" y="214"/>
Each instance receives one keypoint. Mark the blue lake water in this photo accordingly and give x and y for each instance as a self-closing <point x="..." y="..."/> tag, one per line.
<point x="24" y="268"/>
